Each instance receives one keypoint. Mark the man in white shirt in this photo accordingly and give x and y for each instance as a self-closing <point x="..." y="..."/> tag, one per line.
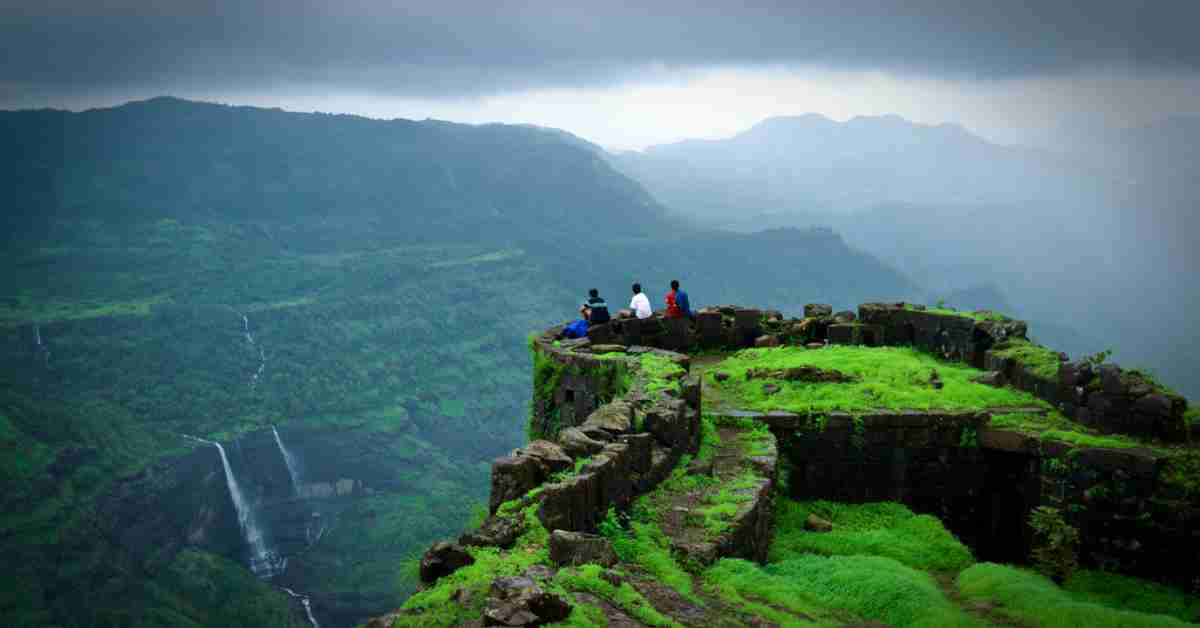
<point x="640" y="304"/>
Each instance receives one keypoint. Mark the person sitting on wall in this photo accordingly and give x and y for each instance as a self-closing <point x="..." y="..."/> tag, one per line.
<point x="677" y="302"/>
<point x="640" y="304"/>
<point x="595" y="309"/>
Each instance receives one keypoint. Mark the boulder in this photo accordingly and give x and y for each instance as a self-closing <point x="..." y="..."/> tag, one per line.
<point x="721" y="376"/>
<point x="578" y="548"/>
<point x="549" y="455"/>
<point x="614" y="418"/>
<point x="499" y="532"/>
<point x="991" y="378"/>
<point x="520" y="601"/>
<point x="816" y="524"/>
<point x="577" y="444"/>
<point x="817" y="310"/>
<point x="443" y="559"/>
<point x="608" y="348"/>
<point x="769" y="340"/>
<point x="815" y="345"/>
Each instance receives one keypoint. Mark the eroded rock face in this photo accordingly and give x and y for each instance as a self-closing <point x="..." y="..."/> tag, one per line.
<point x="519" y="601"/>
<point x="442" y="560"/>
<point x="577" y="548"/>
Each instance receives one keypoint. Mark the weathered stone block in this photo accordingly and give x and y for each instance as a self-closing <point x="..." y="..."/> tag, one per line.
<point x="577" y="548"/>
<point x="577" y="444"/>
<point x="816" y="310"/>
<point x="443" y="559"/>
<point x="708" y="328"/>
<point x="512" y="477"/>
<point x="601" y="334"/>
<point x="640" y="450"/>
<point x="746" y="326"/>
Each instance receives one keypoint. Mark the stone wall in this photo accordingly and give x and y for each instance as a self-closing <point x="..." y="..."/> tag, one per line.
<point x="982" y="482"/>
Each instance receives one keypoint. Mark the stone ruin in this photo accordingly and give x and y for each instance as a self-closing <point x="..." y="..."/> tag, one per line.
<point x="981" y="481"/>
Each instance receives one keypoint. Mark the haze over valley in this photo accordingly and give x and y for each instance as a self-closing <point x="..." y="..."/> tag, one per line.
<point x="271" y="276"/>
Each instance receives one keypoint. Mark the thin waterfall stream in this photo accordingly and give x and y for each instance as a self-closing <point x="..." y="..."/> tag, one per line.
<point x="264" y="562"/>
<point x="42" y="348"/>
<point x="262" y="355"/>
<point x="293" y="470"/>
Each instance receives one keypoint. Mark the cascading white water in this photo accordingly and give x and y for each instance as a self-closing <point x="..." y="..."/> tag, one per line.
<point x="293" y="470"/>
<point x="37" y="330"/>
<point x="262" y="356"/>
<point x="307" y="606"/>
<point x="264" y="562"/>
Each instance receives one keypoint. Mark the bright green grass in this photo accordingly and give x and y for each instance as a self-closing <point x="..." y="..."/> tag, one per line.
<point x="1042" y="361"/>
<point x="1054" y="426"/>
<point x="880" y="529"/>
<point x="440" y="610"/>
<point x="719" y="509"/>
<point x="1034" y="599"/>
<point x="582" y="616"/>
<point x="975" y="316"/>
<point x="870" y="587"/>
<point x="1132" y="594"/>
<point x="891" y="377"/>
<point x="587" y="578"/>
<point x="644" y="544"/>
<point x="660" y="373"/>
<point x="757" y="441"/>
<point x="744" y="585"/>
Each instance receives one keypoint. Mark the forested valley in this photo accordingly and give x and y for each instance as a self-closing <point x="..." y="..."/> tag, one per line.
<point x="341" y="303"/>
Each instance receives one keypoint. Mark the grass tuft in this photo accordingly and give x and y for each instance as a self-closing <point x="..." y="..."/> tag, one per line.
<point x="888" y="377"/>
<point x="1034" y="599"/>
<point x="869" y="587"/>
<point x="883" y="529"/>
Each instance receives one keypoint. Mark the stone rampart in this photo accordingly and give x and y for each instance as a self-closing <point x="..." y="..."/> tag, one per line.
<point x="604" y="430"/>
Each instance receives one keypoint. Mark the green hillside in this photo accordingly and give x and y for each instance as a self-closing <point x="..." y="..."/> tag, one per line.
<point x="365" y="286"/>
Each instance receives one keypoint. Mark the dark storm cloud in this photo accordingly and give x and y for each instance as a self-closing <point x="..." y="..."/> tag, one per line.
<point x="454" y="48"/>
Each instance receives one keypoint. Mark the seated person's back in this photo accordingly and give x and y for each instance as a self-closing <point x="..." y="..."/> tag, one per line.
<point x="597" y="307"/>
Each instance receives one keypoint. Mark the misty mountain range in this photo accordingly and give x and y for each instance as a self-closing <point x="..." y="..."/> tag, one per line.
<point x="1096" y="236"/>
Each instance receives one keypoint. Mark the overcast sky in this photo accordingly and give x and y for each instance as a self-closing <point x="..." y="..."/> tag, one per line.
<point x="616" y="73"/>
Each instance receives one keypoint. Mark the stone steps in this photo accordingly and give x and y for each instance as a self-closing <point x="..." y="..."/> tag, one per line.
<point x="742" y="472"/>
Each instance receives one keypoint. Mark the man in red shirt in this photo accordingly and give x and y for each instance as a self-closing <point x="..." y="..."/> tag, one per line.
<point x="677" y="303"/>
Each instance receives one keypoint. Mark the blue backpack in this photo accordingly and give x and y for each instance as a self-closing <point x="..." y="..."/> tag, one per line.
<point x="577" y="329"/>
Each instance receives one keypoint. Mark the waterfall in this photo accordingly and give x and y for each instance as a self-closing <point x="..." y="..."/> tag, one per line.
<point x="41" y="347"/>
<point x="307" y="606"/>
<point x="293" y="470"/>
<point x="264" y="562"/>
<point x="262" y="356"/>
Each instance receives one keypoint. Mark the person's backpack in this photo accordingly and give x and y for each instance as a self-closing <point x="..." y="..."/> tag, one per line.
<point x="577" y="329"/>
